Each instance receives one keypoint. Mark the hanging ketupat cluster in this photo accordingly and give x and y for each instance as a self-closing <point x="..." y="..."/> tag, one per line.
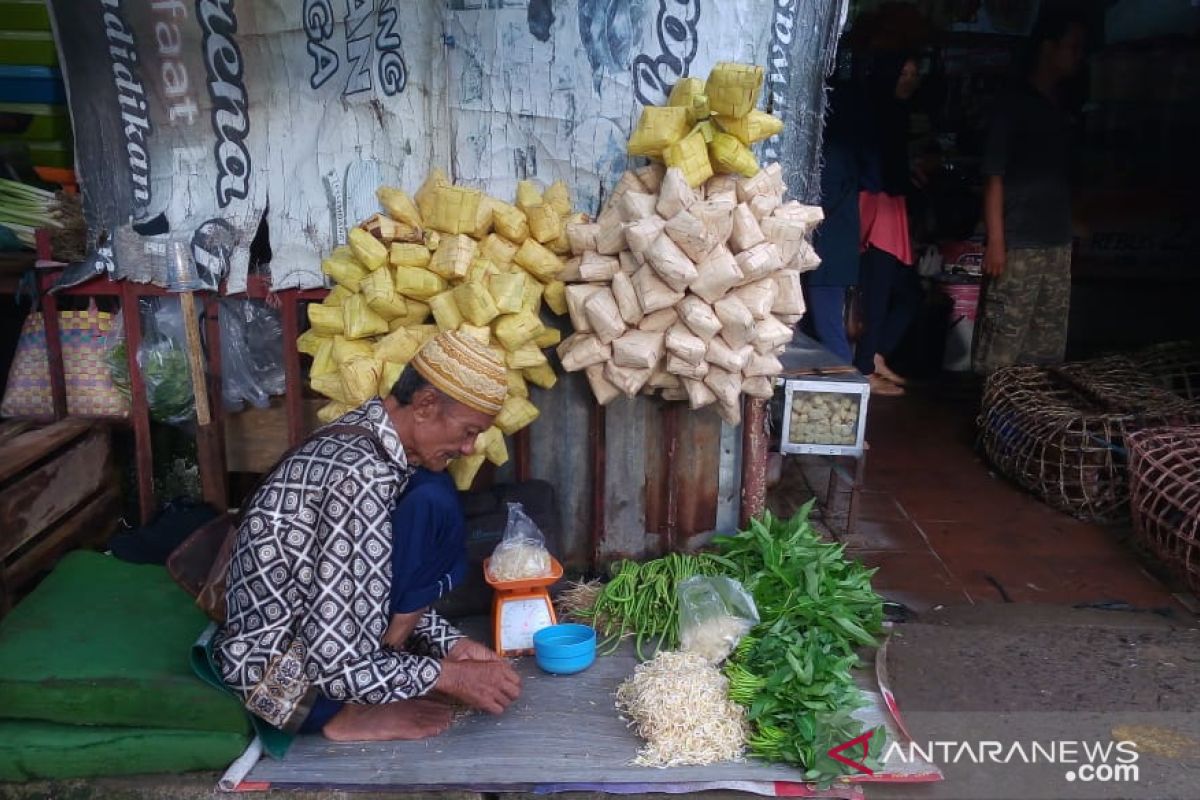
<point x="449" y="258"/>
<point x="691" y="293"/>
<point x="706" y="128"/>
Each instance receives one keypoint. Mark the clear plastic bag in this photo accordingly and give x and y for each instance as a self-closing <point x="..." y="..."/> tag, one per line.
<point x="522" y="552"/>
<point x="163" y="361"/>
<point x="715" y="612"/>
<point x="251" y="353"/>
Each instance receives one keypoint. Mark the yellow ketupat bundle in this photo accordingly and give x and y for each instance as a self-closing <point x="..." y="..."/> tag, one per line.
<point x="325" y="319"/>
<point x="452" y="209"/>
<point x="475" y="303"/>
<point x="693" y="130"/>
<point x="538" y="261"/>
<point x="399" y="206"/>
<point x="380" y="292"/>
<point x="445" y="311"/>
<point x="658" y="128"/>
<point x="690" y="156"/>
<point x="463" y="470"/>
<point x="369" y="251"/>
<point x="508" y="290"/>
<point x="407" y="254"/>
<point x="730" y="155"/>
<point x="344" y="269"/>
<point x="417" y="283"/>
<point x="359" y="321"/>
<point x="733" y="89"/>
<point x="453" y="257"/>
<point x="475" y="263"/>
<point x="516" y="413"/>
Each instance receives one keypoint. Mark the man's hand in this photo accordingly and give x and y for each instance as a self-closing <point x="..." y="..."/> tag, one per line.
<point x="490" y="686"/>
<point x="994" y="259"/>
<point x="400" y="628"/>
<point x="471" y="650"/>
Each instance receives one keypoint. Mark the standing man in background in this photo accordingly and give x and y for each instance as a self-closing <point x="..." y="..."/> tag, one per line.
<point x="1027" y="210"/>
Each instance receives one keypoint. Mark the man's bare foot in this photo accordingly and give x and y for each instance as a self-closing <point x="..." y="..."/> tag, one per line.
<point x="882" y="368"/>
<point x="882" y="386"/>
<point x="404" y="719"/>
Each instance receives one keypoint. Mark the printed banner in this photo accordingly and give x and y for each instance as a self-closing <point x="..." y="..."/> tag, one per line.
<point x="195" y="119"/>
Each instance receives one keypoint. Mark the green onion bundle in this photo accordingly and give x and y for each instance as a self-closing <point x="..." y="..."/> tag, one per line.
<point x="25" y="208"/>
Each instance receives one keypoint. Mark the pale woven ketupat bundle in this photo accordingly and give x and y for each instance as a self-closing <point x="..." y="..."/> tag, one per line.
<point x="685" y="345"/>
<point x="717" y="274"/>
<point x="629" y="381"/>
<point x="758" y="296"/>
<point x="651" y="176"/>
<point x="789" y="296"/>
<point x="582" y="236"/>
<point x="653" y="294"/>
<point x="388" y="230"/>
<point x="602" y="388"/>
<point x="746" y="231"/>
<point x="638" y="349"/>
<point x="763" y="205"/>
<point x="691" y="235"/>
<point x="699" y="317"/>
<point x="641" y="234"/>
<point x="737" y="323"/>
<point x="717" y="218"/>
<point x="674" y="195"/>
<point x="627" y="299"/>
<point x="659" y="320"/>
<point x="698" y="393"/>
<point x="758" y="262"/>
<point x="720" y="354"/>
<point x="672" y="264"/>
<point x="770" y="334"/>
<point x="610" y="238"/>
<point x="753" y="127"/>
<point x="604" y="316"/>
<point x="595" y="268"/>
<point x="636" y="205"/>
<point x="359" y="321"/>
<point x="762" y="387"/>
<point x="545" y="224"/>
<point x="763" y="365"/>
<point x="577" y="296"/>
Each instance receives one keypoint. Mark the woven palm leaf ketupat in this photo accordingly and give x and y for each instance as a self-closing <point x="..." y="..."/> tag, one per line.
<point x="1061" y="432"/>
<point x="1164" y="467"/>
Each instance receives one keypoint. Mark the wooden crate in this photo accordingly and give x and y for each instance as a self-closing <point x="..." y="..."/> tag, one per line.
<point x="58" y="491"/>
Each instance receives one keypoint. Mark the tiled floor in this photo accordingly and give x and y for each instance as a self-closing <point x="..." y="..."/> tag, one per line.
<point x="944" y="530"/>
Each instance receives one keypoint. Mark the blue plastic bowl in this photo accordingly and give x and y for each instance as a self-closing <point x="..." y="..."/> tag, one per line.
<point x="565" y="649"/>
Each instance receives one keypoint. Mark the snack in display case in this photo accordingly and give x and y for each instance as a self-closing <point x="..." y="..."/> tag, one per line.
<point x="824" y="416"/>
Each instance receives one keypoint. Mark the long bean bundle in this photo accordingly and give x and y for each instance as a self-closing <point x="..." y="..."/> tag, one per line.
<point x="641" y="599"/>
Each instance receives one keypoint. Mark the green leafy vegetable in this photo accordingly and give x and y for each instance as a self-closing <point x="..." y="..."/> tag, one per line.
<point x="793" y="672"/>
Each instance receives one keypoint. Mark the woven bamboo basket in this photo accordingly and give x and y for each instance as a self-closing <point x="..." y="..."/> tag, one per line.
<point x="1175" y="366"/>
<point x="1060" y="431"/>
<point x="1164" y="469"/>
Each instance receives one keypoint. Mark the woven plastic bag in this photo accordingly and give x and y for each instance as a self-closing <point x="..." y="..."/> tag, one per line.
<point x="91" y="341"/>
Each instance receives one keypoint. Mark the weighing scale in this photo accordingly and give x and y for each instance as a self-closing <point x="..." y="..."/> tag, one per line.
<point x="520" y="609"/>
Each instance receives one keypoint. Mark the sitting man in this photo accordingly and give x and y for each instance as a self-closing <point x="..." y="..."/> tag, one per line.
<point x="329" y="626"/>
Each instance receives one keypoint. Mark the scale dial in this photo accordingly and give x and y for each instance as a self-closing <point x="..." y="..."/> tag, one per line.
<point x="519" y="619"/>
